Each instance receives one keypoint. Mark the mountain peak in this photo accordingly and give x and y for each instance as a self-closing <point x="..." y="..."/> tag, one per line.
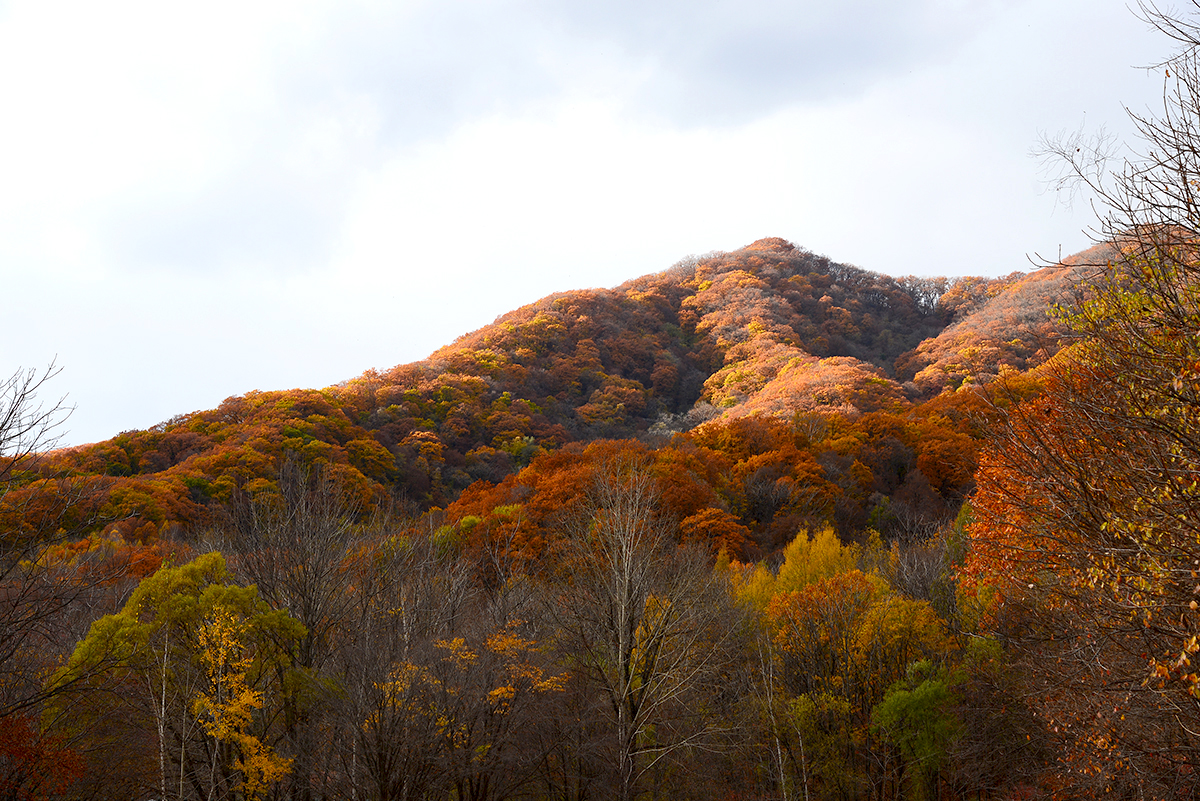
<point x="772" y="243"/>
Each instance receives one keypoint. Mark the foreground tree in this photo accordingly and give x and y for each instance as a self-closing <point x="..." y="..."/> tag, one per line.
<point x="1088" y="514"/>
<point x="647" y="622"/>
<point x="29" y="601"/>
<point x="301" y="547"/>
<point x="43" y="601"/>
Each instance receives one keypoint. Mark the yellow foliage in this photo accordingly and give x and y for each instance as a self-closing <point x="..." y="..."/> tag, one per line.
<point x="227" y="712"/>
<point x="806" y="560"/>
<point x="900" y="630"/>
<point x="753" y="585"/>
<point x="508" y="643"/>
<point x="260" y="767"/>
<point x="460" y="654"/>
<point x="877" y="558"/>
<point x="501" y="696"/>
<point x="398" y="689"/>
<point x="520" y="672"/>
<point x="551" y="684"/>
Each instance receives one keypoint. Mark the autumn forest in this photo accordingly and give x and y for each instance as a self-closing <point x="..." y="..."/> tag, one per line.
<point x="759" y="526"/>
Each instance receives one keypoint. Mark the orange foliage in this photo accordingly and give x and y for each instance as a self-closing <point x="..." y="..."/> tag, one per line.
<point x="718" y="530"/>
<point x="998" y="324"/>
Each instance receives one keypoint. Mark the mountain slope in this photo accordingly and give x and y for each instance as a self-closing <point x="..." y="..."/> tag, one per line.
<point x="998" y="323"/>
<point x="610" y="362"/>
<point x="770" y="329"/>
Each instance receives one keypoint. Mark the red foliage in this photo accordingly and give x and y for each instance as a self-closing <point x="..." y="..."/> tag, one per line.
<point x="716" y="529"/>
<point x="33" y="765"/>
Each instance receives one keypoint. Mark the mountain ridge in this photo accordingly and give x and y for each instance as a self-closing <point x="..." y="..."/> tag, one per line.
<point x="770" y="330"/>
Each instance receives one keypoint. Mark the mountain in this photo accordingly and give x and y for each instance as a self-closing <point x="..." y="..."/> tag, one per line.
<point x="600" y="363"/>
<point x="770" y="334"/>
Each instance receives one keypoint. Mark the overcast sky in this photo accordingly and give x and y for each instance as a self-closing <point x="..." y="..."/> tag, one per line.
<point x="202" y="199"/>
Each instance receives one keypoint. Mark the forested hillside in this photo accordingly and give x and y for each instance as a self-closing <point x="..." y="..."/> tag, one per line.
<point x="759" y="527"/>
<point x="770" y="331"/>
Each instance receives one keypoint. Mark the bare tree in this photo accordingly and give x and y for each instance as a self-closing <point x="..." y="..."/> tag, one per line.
<point x="388" y="732"/>
<point x="28" y="426"/>
<point x="1148" y="202"/>
<point x="37" y="600"/>
<point x="646" y="621"/>
<point x="1087" y="497"/>
<point x="46" y="604"/>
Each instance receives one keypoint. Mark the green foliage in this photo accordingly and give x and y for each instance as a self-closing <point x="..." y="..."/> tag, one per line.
<point x="917" y="717"/>
<point x="826" y="741"/>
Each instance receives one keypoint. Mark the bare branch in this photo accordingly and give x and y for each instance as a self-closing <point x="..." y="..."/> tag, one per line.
<point x="27" y="426"/>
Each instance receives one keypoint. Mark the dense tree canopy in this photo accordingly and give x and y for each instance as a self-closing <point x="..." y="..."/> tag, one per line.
<point x="769" y="330"/>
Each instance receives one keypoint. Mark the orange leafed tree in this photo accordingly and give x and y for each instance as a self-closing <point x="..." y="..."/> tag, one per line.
<point x="1087" y="526"/>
